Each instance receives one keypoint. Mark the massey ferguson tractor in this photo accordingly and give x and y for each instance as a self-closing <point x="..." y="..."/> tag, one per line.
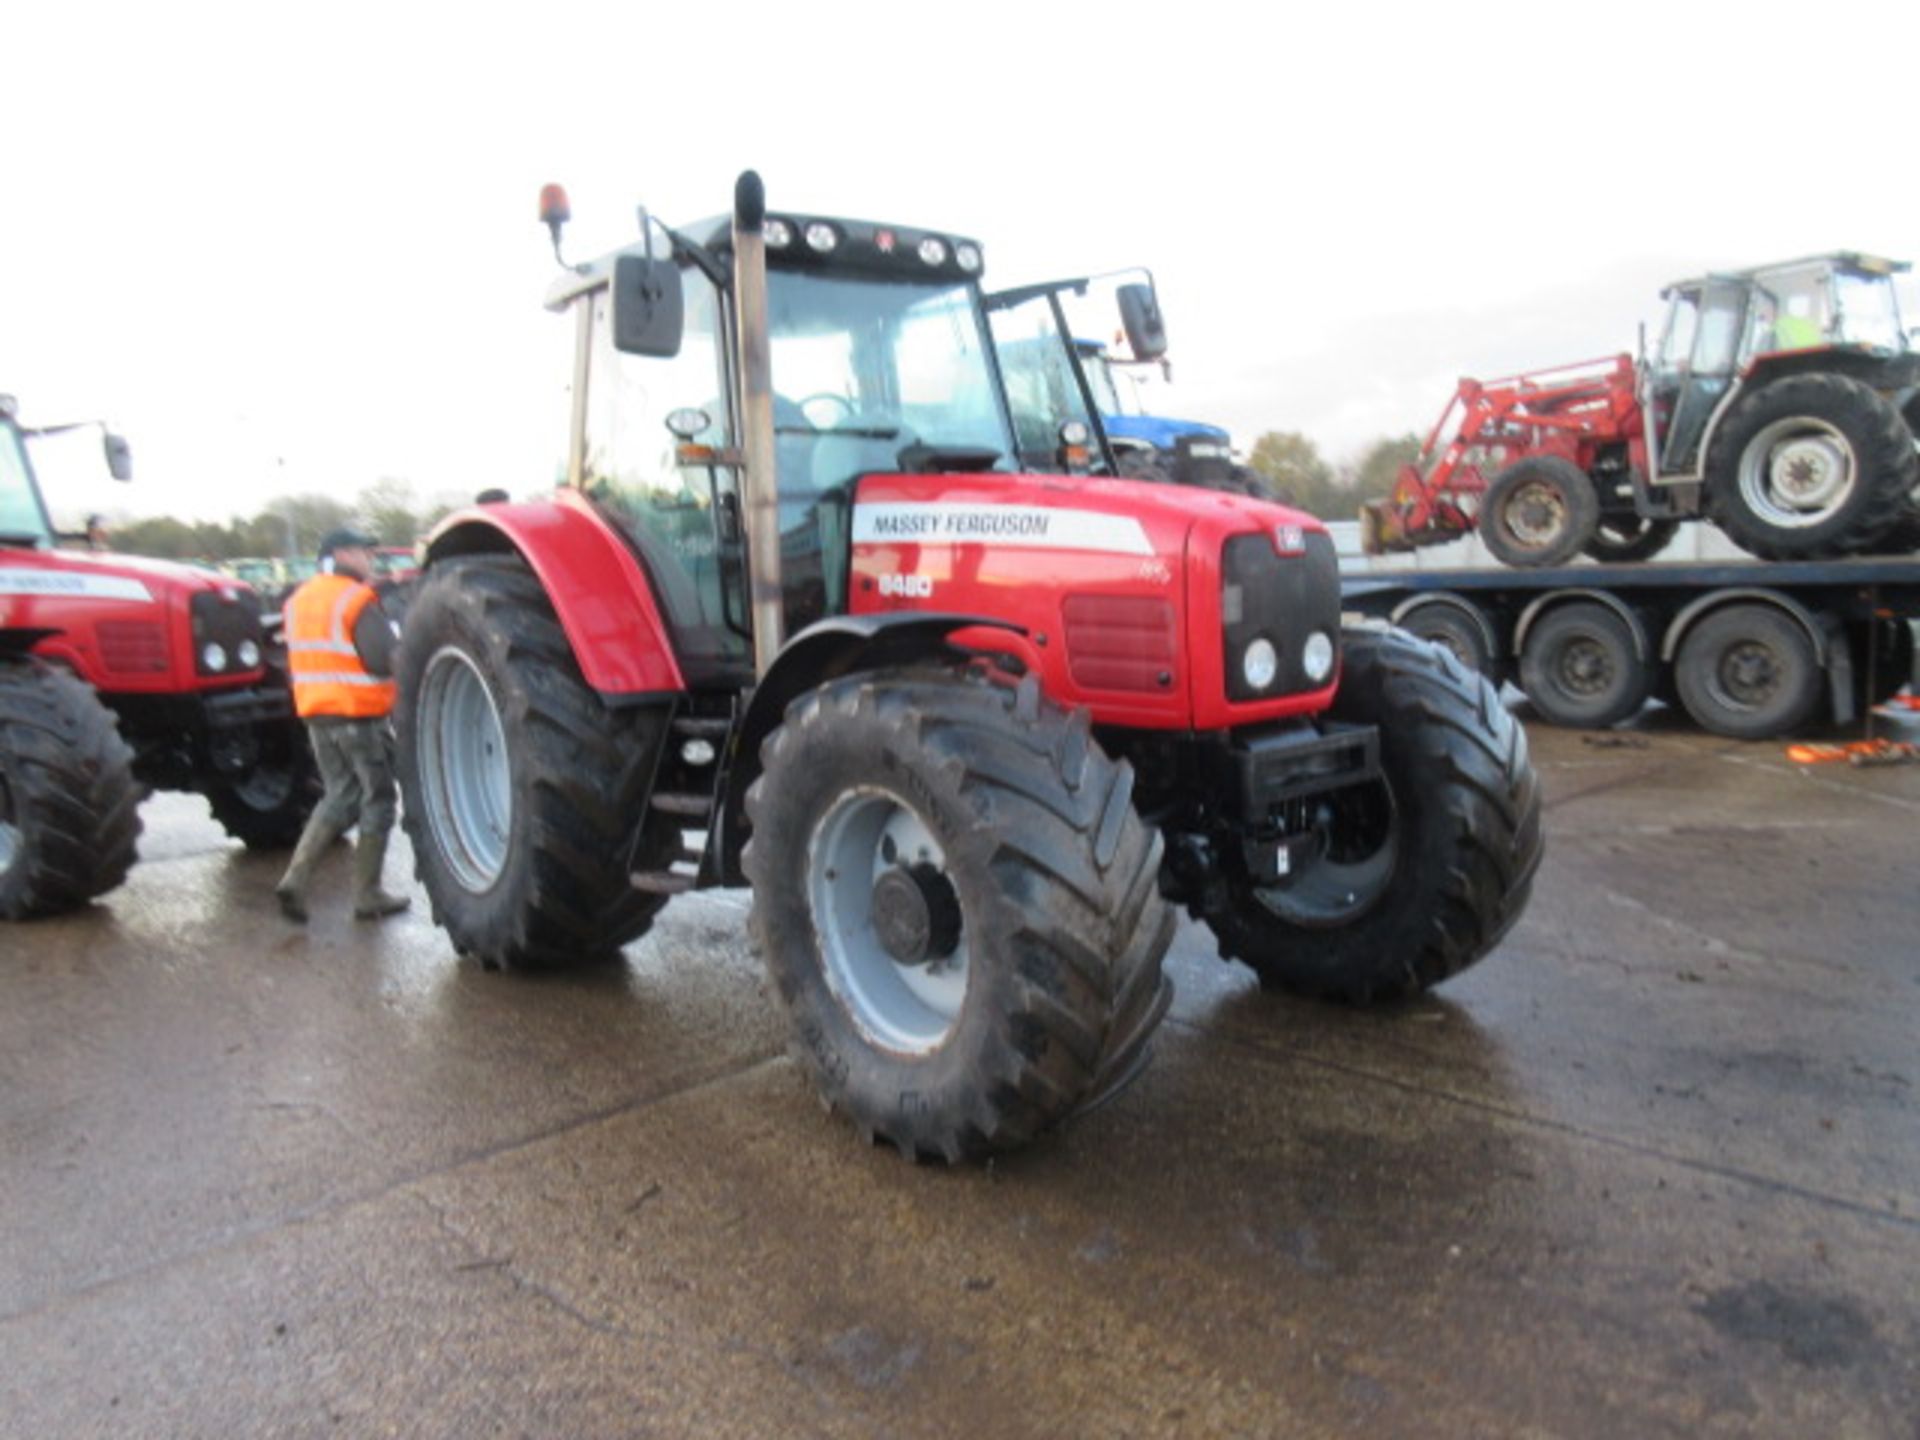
<point x="119" y="674"/>
<point x="802" y="617"/>
<point x="1782" y="403"/>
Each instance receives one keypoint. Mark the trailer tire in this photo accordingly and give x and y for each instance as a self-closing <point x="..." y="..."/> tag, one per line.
<point x="1624" y="539"/>
<point x="1840" y="440"/>
<point x="1463" y="838"/>
<point x="69" y="803"/>
<point x="1580" y="667"/>
<point x="1541" y="510"/>
<point x="266" y="808"/>
<point x="1447" y="625"/>
<point x="1748" y="672"/>
<point x="522" y="848"/>
<point x="1032" y="869"/>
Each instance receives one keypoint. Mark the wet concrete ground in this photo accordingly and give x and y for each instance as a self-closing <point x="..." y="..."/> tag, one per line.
<point x="1652" y="1169"/>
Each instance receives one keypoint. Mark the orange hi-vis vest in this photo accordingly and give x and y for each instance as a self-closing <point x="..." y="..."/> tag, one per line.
<point x="328" y="676"/>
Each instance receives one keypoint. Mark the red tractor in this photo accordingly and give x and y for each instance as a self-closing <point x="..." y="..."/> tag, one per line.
<point x="118" y="674"/>
<point x="800" y="619"/>
<point x="1783" y="403"/>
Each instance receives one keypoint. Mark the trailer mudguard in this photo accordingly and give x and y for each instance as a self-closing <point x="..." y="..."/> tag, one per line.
<point x="598" y="587"/>
<point x="1641" y="648"/>
<point x="1715" y="599"/>
<point x="828" y="648"/>
<point x="1447" y="599"/>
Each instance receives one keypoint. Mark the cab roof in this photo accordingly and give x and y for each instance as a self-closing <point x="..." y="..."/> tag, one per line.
<point x="1848" y="262"/>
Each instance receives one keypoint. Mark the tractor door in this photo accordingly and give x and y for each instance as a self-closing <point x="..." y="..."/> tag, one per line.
<point x="682" y="518"/>
<point x="1692" y="374"/>
<point x="1044" y="391"/>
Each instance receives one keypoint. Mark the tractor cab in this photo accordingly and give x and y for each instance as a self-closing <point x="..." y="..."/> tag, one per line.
<point x="882" y="358"/>
<point x="1834" y="312"/>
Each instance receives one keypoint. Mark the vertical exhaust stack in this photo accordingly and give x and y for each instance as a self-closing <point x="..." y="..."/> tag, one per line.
<point x="756" y="420"/>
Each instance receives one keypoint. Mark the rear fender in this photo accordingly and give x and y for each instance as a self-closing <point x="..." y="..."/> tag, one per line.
<point x="16" y="641"/>
<point x="834" y="647"/>
<point x="599" y="590"/>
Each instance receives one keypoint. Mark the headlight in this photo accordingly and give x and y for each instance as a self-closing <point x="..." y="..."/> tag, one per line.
<point x="249" y="654"/>
<point x="933" y="250"/>
<point x="214" y="657"/>
<point x="778" y="234"/>
<point x="1316" y="657"/>
<point x="968" y="257"/>
<point x="1260" y="662"/>
<point x="822" y="237"/>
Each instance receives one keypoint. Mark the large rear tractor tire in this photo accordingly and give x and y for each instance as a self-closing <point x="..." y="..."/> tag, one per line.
<point x="519" y="788"/>
<point x="1624" y="539"/>
<point x="1811" y="466"/>
<point x="267" y="807"/>
<point x="69" y="805"/>
<point x="958" y="906"/>
<point x="1422" y="872"/>
<point x="1539" y="511"/>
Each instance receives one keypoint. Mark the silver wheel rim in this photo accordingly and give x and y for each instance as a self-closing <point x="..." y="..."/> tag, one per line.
<point x="909" y="1009"/>
<point x="1535" y="514"/>
<point x="466" y="781"/>
<point x="11" y="840"/>
<point x="1797" y="472"/>
<point x="1342" y="882"/>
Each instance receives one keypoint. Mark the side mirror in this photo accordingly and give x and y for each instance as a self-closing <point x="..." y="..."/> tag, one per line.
<point x="1140" y="315"/>
<point x="119" y="457"/>
<point x="647" y="316"/>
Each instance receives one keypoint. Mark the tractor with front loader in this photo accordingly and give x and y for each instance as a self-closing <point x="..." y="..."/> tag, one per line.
<point x="804" y="616"/>
<point x="119" y="675"/>
<point x="1782" y="403"/>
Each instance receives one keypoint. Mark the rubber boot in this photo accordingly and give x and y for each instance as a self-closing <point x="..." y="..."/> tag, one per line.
<point x="291" y="892"/>
<point x="370" y="902"/>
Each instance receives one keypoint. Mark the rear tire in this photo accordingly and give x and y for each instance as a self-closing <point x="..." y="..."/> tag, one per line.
<point x="1539" y="511"/>
<point x="520" y="788"/>
<point x="1811" y="466"/>
<point x="69" y="805"/>
<point x="1624" y="539"/>
<point x="1042" y="884"/>
<point x="1580" y="669"/>
<point x="1748" y="672"/>
<point x="1456" y="821"/>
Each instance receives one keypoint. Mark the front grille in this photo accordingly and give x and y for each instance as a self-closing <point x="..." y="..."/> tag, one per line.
<point x="1119" y="642"/>
<point x="223" y="622"/>
<point x="1282" y="597"/>
<point x="132" y="647"/>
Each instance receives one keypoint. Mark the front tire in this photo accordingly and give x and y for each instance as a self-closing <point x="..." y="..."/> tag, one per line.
<point x="69" y="805"/>
<point x="267" y="807"/>
<point x="958" y="906"/>
<point x="1539" y="511"/>
<point x="520" y="788"/>
<point x="1811" y="466"/>
<point x="1435" y="862"/>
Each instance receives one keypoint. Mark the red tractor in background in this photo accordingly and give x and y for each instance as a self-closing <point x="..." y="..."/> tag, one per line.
<point x="1783" y="403"/>
<point x="118" y="674"/>
<point x="799" y="618"/>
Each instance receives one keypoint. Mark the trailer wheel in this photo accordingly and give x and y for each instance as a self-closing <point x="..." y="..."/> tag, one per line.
<point x="520" y="788"/>
<point x="1540" y="510"/>
<point x="1579" y="667"/>
<point x="267" y="807"/>
<point x="1623" y="539"/>
<point x="69" y="805"/>
<point x="1422" y="873"/>
<point x="958" y="906"/>
<point x="1748" y="672"/>
<point x="1451" y="627"/>
<point x="1810" y="466"/>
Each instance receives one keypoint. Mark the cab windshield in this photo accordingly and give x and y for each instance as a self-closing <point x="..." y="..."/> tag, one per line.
<point x="22" y="521"/>
<point x="1869" y="312"/>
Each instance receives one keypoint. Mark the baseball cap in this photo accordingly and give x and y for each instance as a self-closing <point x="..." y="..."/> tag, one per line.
<point x="346" y="538"/>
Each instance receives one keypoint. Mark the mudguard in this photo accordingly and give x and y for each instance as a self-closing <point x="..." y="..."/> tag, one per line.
<point x="598" y="587"/>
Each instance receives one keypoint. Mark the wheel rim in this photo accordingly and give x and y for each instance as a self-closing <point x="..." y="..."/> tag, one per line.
<point x="1359" y="849"/>
<point x="1797" y="472"/>
<point x="466" y="781"/>
<point x="1584" y="667"/>
<point x="265" y="787"/>
<point x="908" y="1007"/>
<point x="1535" y="514"/>
<point x="12" y="842"/>
<point x="1747" y="675"/>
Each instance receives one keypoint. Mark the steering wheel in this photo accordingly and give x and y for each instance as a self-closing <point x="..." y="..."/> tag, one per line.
<point x="842" y="410"/>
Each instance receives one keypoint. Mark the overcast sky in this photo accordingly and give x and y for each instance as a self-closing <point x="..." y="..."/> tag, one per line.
<point x="301" y="254"/>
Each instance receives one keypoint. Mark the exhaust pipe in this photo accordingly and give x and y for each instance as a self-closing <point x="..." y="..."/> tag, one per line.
<point x="766" y="595"/>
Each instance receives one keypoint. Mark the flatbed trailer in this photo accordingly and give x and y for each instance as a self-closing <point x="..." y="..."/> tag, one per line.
<point x="1749" y="649"/>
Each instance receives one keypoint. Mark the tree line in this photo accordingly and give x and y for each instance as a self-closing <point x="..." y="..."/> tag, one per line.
<point x="1296" y="473"/>
<point x="289" y="526"/>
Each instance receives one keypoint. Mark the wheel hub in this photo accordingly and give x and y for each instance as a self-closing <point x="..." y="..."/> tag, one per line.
<point x="1585" y="668"/>
<point x="1749" y="674"/>
<point x="1807" y="472"/>
<point x="1796" y="472"/>
<point x="916" y="914"/>
<point x="1536" y="514"/>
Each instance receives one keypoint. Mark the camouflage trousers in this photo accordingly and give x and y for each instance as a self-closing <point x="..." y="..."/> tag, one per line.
<point x="356" y="764"/>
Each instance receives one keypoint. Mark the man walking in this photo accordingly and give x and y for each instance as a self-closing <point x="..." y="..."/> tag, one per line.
<point x="340" y="649"/>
